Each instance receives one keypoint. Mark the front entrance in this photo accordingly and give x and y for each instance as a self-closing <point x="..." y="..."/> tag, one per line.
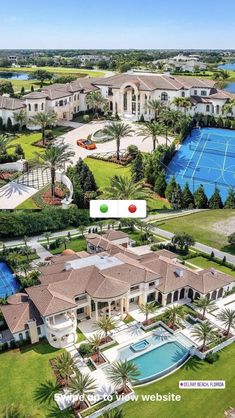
<point x="151" y="297"/>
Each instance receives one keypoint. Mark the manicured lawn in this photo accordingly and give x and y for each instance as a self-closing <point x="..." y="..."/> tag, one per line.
<point x="194" y="403"/>
<point x="18" y="84"/>
<point x="80" y="335"/>
<point x="200" y="226"/>
<point x="57" y="70"/>
<point x="22" y="371"/>
<point x="28" y="204"/>
<point x="76" y="244"/>
<point x="205" y="264"/>
<point x="27" y="139"/>
<point x="104" y="171"/>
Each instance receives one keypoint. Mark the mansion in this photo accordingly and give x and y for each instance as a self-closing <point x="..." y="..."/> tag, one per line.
<point x="107" y="279"/>
<point x="127" y="95"/>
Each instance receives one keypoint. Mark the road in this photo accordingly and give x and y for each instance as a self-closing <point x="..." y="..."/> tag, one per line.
<point x="198" y="246"/>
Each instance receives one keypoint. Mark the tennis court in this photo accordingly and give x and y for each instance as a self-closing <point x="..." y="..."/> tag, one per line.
<point x="208" y="158"/>
<point x="8" y="283"/>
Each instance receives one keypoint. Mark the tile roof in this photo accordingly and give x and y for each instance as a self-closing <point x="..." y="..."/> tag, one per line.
<point x="112" y="235"/>
<point x="10" y="103"/>
<point x="17" y="315"/>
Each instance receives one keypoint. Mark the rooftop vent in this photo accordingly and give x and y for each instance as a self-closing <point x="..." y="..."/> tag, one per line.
<point x="179" y="273"/>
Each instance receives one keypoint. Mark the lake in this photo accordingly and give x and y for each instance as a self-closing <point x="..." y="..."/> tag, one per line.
<point x="230" y="87"/>
<point x="229" y="66"/>
<point x="14" y="75"/>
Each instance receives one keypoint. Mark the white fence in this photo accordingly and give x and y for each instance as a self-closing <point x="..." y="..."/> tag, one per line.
<point x="15" y="166"/>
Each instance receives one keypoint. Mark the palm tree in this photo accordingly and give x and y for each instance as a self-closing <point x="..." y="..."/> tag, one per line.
<point x="95" y="100"/>
<point x="148" y="308"/>
<point x="20" y="118"/>
<point x="64" y="365"/>
<point x="5" y="143"/>
<point x="55" y="158"/>
<point x="114" y="413"/>
<point x="95" y="342"/>
<point x="43" y="119"/>
<point x="151" y="130"/>
<point x="47" y="235"/>
<point x="122" y="372"/>
<point x="204" y="304"/>
<point x="117" y="131"/>
<point x="203" y="332"/>
<point x="227" y="317"/>
<point x="64" y="241"/>
<point x="82" y="229"/>
<point x="124" y="188"/>
<point x="106" y="324"/>
<point x="46" y="391"/>
<point x="156" y="106"/>
<point x="170" y="117"/>
<point x="228" y="107"/>
<point x="182" y="102"/>
<point x="15" y="259"/>
<point x="82" y="385"/>
<point x="174" y="314"/>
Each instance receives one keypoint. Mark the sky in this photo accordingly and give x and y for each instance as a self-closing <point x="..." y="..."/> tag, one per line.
<point x="114" y="24"/>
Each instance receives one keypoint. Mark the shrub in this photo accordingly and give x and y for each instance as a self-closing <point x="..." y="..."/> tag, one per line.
<point x="132" y="151"/>
<point x="212" y="357"/>
<point x="85" y="350"/>
<point x="48" y="134"/>
<point x="86" y="118"/>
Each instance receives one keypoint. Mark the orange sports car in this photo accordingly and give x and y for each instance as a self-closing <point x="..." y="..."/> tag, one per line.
<point x="86" y="143"/>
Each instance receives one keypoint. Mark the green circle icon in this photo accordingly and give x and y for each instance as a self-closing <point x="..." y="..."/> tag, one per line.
<point x="104" y="208"/>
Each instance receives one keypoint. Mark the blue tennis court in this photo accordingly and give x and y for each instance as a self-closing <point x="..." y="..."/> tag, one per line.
<point x="206" y="157"/>
<point x="8" y="283"/>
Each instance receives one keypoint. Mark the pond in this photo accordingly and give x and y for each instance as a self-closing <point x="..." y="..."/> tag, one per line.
<point x="228" y="66"/>
<point x="14" y="75"/>
<point x="230" y="87"/>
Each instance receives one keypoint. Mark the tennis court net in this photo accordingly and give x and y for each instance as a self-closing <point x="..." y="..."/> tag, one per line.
<point x="211" y="150"/>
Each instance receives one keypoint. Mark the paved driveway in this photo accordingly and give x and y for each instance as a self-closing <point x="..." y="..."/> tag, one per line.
<point x="87" y="129"/>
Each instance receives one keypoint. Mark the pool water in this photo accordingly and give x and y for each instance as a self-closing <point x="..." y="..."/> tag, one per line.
<point x="160" y="361"/>
<point x="8" y="283"/>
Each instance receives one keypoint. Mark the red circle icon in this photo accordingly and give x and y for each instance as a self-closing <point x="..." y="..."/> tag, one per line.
<point x="132" y="208"/>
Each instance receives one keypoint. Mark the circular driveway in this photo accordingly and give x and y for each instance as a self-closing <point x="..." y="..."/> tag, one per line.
<point x="84" y="130"/>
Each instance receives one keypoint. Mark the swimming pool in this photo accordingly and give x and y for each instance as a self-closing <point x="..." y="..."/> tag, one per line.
<point x="206" y="157"/>
<point x="160" y="361"/>
<point x="8" y="283"/>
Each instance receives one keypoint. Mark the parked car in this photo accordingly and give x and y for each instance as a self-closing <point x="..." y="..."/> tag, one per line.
<point x="86" y="143"/>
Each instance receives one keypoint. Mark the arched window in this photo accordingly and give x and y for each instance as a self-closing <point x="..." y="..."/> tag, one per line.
<point x="183" y="94"/>
<point x="169" y="298"/>
<point x="20" y="336"/>
<point x="42" y="106"/>
<point x="217" y="109"/>
<point x="175" y="297"/>
<point x="208" y="108"/>
<point x="164" y="97"/>
<point x="182" y="293"/>
<point x="29" y="107"/>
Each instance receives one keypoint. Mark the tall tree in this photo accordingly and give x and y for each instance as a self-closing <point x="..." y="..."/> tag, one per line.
<point x="55" y="158"/>
<point x="227" y="317"/>
<point x="122" y="372"/>
<point x="230" y="200"/>
<point x="117" y="131"/>
<point x="176" y="199"/>
<point x="156" y="106"/>
<point x="20" y="118"/>
<point x="43" y="119"/>
<point x="215" y="201"/>
<point x="187" y="197"/>
<point x="170" y="188"/>
<point x="137" y="168"/>
<point x="200" y="198"/>
<point x="205" y="304"/>
<point x="160" y="183"/>
<point x="125" y="188"/>
<point x="95" y="100"/>
<point x="151" y="130"/>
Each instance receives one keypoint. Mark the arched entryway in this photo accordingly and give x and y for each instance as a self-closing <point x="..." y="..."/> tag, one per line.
<point x="190" y="293"/>
<point x="208" y="296"/>
<point x="169" y="298"/>
<point x="176" y="295"/>
<point x="214" y="294"/>
<point x="220" y="293"/>
<point x="197" y="296"/>
<point x="182" y="293"/>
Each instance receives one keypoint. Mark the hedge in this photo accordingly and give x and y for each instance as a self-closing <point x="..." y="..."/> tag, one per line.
<point x="20" y="223"/>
